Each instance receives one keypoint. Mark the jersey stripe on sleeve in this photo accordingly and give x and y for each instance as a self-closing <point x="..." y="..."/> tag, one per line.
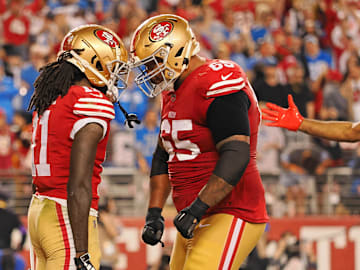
<point x="225" y="87"/>
<point x="94" y="107"/>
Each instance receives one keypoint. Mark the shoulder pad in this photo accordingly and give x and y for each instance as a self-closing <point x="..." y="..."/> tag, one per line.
<point x="92" y="102"/>
<point x="227" y="78"/>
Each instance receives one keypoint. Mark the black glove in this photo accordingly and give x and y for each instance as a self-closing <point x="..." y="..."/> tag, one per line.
<point x="154" y="227"/>
<point x="186" y="221"/>
<point x="83" y="262"/>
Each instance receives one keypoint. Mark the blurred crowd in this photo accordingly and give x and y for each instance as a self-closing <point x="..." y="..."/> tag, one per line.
<point x="307" y="48"/>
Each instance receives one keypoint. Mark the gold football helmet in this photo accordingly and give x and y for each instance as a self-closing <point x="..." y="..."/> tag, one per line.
<point x="100" y="54"/>
<point x="161" y="48"/>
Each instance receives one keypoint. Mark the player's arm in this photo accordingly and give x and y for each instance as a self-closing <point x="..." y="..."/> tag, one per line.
<point x="291" y="119"/>
<point x="79" y="188"/>
<point x="227" y="118"/>
<point x="332" y="130"/>
<point x="159" y="192"/>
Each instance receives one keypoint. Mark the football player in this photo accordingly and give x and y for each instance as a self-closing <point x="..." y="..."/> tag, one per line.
<point x="206" y="151"/>
<point x="73" y="107"/>
<point x="291" y="119"/>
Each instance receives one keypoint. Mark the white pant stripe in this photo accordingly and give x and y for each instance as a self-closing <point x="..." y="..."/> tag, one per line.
<point x="232" y="246"/>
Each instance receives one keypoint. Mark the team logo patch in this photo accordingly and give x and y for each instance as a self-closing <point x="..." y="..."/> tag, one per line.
<point x="161" y="30"/>
<point x="107" y="37"/>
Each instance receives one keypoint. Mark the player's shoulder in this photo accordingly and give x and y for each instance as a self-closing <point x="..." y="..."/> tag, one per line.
<point x="223" y="77"/>
<point x="91" y="102"/>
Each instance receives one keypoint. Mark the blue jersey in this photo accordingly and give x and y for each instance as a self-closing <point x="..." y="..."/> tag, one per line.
<point x="318" y="64"/>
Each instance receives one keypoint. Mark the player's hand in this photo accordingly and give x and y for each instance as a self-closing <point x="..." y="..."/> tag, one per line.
<point x="83" y="262"/>
<point x="186" y="221"/>
<point x="154" y="227"/>
<point x="289" y="118"/>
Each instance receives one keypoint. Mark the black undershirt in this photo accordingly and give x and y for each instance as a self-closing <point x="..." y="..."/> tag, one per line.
<point x="228" y="115"/>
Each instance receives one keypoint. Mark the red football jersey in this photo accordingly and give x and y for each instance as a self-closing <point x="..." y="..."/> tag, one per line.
<point x="189" y="142"/>
<point x="53" y="135"/>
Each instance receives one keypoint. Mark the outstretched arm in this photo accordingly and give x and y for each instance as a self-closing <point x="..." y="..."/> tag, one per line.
<point x="291" y="119"/>
<point x="332" y="130"/>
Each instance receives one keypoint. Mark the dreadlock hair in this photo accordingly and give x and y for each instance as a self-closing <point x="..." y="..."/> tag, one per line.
<point x="54" y="80"/>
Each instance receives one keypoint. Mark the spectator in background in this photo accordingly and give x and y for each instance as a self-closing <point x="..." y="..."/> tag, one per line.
<point x="7" y="93"/>
<point x="280" y="44"/>
<point x="239" y="52"/>
<point x="347" y="26"/>
<point x="271" y="142"/>
<point x="266" y="53"/>
<point x="351" y="86"/>
<point x="146" y="139"/>
<point x="300" y="90"/>
<point x="287" y="254"/>
<point x="318" y="63"/>
<point x="300" y="165"/>
<point x="269" y="89"/>
<point x="231" y="29"/>
<point x="223" y="51"/>
<point x="242" y="46"/>
<point x="50" y="34"/>
<point x="265" y="22"/>
<point x="13" y="63"/>
<point x="350" y="50"/>
<point x="38" y="58"/>
<point x="6" y="143"/>
<point x="211" y="28"/>
<point x="295" y="45"/>
<point x="295" y="17"/>
<point x="337" y="98"/>
<point x="10" y="222"/>
<point x="312" y="26"/>
<point x="16" y="26"/>
<point x="22" y="129"/>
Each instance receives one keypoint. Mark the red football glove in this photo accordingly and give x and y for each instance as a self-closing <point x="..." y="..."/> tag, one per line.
<point x="289" y="118"/>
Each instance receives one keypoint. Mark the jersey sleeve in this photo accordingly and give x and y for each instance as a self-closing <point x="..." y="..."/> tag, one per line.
<point x="225" y="77"/>
<point x="91" y="106"/>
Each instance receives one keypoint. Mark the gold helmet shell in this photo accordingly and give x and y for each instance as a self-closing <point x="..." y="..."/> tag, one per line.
<point x="100" y="54"/>
<point x="165" y="42"/>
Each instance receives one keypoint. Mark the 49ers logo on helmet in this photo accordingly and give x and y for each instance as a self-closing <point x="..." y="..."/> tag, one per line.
<point x="107" y="37"/>
<point x="161" y="30"/>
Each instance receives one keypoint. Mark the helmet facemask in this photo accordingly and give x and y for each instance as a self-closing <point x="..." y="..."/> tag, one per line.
<point x="152" y="68"/>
